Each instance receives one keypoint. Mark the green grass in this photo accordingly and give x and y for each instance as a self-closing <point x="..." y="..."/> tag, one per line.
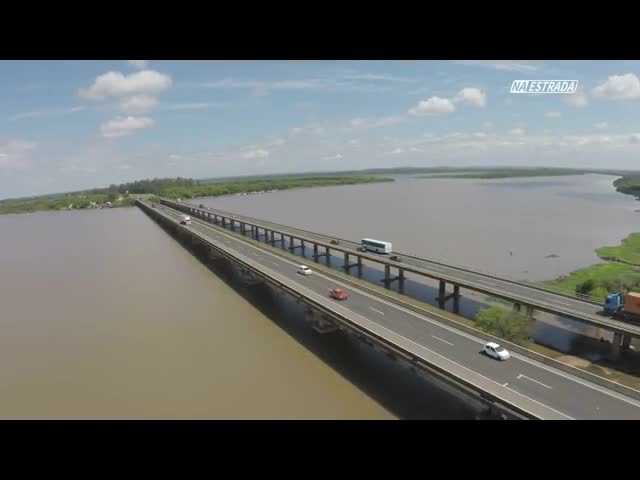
<point x="628" y="251"/>
<point x="605" y="277"/>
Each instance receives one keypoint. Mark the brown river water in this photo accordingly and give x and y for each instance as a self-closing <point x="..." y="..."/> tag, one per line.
<point x="104" y="315"/>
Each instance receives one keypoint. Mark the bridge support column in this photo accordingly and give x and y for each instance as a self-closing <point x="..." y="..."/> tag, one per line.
<point x="302" y="249"/>
<point x="442" y="289"/>
<point x="272" y="239"/>
<point x="387" y="275"/>
<point x="456" y="299"/>
<point x="315" y="252"/>
<point x="346" y="262"/>
<point x="326" y="251"/>
<point x="616" y="344"/>
<point x="517" y="307"/>
<point x="528" y="311"/>
<point x="626" y="342"/>
<point x="401" y="280"/>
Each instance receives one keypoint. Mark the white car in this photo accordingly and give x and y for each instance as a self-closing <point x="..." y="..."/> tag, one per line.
<point x="186" y="220"/>
<point x="496" y="351"/>
<point x="304" y="270"/>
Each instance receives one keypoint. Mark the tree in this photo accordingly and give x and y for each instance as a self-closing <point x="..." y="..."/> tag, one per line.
<point x="585" y="287"/>
<point x="511" y="326"/>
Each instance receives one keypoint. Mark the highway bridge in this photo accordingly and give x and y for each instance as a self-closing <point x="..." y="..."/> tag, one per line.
<point x="521" y="386"/>
<point x="521" y="294"/>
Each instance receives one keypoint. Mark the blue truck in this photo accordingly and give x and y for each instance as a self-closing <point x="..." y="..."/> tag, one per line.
<point x="625" y="308"/>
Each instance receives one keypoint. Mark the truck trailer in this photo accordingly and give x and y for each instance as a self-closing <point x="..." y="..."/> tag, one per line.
<point x="625" y="308"/>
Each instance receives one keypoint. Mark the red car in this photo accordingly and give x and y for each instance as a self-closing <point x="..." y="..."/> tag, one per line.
<point x="338" y="294"/>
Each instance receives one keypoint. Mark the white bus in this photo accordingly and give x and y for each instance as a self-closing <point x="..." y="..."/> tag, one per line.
<point x="377" y="246"/>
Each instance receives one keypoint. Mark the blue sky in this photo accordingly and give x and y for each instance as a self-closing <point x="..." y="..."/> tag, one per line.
<point x="67" y="125"/>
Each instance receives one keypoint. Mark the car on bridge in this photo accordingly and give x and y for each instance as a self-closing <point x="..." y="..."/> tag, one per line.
<point x="304" y="270"/>
<point x="395" y="258"/>
<point x="335" y="242"/>
<point x="496" y="351"/>
<point x="185" y="220"/>
<point x="338" y="294"/>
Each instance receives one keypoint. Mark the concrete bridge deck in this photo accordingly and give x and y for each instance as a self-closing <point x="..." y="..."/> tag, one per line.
<point x="527" y="385"/>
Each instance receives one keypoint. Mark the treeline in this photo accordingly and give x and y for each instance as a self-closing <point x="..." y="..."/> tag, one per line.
<point x="119" y="195"/>
<point x="202" y="189"/>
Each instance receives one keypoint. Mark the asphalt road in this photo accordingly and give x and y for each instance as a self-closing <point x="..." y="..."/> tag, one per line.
<point x="572" y="308"/>
<point x="569" y="396"/>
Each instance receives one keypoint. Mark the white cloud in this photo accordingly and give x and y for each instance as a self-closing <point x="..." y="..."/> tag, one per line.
<point x="381" y="77"/>
<point x="174" y="156"/>
<point x="487" y="124"/>
<point x="122" y="126"/>
<point x="578" y="99"/>
<point x="137" y="104"/>
<point x="115" y="84"/>
<point x="433" y="106"/>
<point x="192" y="106"/>
<point x="480" y="135"/>
<point x="600" y="125"/>
<point x="373" y="122"/>
<point x="15" y="154"/>
<point x="472" y="96"/>
<point x="354" y="141"/>
<point x="139" y="64"/>
<point x="517" y="131"/>
<point x="43" y="113"/>
<point x="259" y="153"/>
<point x="396" y="151"/>
<point x="124" y="166"/>
<point x="553" y="114"/>
<point x="619" y="87"/>
<point x="522" y="66"/>
<point x="635" y="138"/>
<point x="337" y="156"/>
<point x="295" y="131"/>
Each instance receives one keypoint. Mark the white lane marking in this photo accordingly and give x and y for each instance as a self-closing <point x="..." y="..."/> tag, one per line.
<point x="563" y="303"/>
<point x="375" y="310"/>
<point x="439" y="324"/>
<point x="536" y="381"/>
<point x="505" y="384"/>
<point x="276" y="264"/>
<point x="442" y="340"/>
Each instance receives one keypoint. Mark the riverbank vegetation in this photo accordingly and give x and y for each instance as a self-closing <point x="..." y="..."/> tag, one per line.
<point x="488" y="173"/>
<point x="629" y="184"/>
<point x="506" y="324"/>
<point x="124" y="195"/>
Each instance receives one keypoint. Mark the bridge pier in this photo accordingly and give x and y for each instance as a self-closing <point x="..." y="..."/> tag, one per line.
<point x="517" y="307"/>
<point x="529" y="311"/>
<point x="442" y="288"/>
<point x="292" y="246"/>
<point x="456" y="299"/>
<point x="346" y="265"/>
<point x="443" y="297"/>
